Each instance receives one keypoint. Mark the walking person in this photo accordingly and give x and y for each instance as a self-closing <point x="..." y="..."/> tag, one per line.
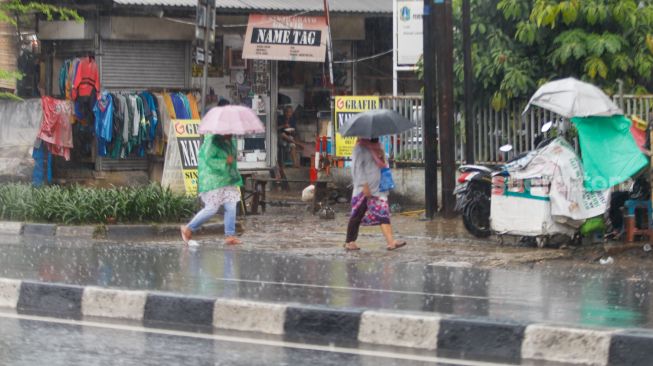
<point x="369" y="204"/>
<point x="219" y="184"/>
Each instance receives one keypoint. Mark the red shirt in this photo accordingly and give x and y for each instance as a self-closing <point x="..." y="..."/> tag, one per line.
<point x="86" y="79"/>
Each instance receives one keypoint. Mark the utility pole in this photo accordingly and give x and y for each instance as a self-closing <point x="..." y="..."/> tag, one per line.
<point x="430" y="133"/>
<point x="469" y="83"/>
<point x="205" y="30"/>
<point x="444" y="54"/>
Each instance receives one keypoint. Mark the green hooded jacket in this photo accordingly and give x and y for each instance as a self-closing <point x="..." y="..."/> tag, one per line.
<point x="214" y="172"/>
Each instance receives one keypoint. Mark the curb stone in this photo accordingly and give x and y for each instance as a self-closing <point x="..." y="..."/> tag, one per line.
<point x="111" y="232"/>
<point x="11" y="227"/>
<point x="39" y="229"/>
<point x="448" y="336"/>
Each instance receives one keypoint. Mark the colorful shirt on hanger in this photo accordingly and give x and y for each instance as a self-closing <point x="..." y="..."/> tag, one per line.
<point x="103" y="122"/>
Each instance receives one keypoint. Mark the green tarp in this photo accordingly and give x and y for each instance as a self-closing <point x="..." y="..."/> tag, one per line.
<point x="609" y="152"/>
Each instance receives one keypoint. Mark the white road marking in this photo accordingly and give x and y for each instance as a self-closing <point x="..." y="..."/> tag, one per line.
<point x="401" y="292"/>
<point x="262" y="342"/>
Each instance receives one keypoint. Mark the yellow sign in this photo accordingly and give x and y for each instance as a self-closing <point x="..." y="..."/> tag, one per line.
<point x="346" y="107"/>
<point x="189" y="142"/>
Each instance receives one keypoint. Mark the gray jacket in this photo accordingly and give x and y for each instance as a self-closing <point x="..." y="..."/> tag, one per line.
<point x="364" y="170"/>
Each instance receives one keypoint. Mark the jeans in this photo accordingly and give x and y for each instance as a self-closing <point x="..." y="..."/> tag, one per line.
<point x="207" y="212"/>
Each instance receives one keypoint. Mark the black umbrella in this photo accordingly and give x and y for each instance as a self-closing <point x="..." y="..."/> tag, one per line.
<point x="375" y="123"/>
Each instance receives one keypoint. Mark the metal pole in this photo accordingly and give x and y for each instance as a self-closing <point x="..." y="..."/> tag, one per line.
<point x="394" y="48"/>
<point x="444" y="49"/>
<point x="205" y="69"/>
<point x="430" y="122"/>
<point x="469" y="84"/>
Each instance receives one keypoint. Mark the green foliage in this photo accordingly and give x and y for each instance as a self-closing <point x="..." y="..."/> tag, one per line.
<point x="82" y="205"/>
<point x="10" y="10"/>
<point x="519" y="44"/>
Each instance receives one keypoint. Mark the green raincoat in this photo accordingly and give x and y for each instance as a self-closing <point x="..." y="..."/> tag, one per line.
<point x="214" y="172"/>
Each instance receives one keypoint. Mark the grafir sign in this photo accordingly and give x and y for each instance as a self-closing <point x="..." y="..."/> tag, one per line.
<point x="188" y="142"/>
<point x="285" y="38"/>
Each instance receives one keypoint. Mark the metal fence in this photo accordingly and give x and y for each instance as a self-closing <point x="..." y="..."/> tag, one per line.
<point x="492" y="128"/>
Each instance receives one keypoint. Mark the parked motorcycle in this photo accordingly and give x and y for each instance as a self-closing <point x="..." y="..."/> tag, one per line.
<point x="474" y="189"/>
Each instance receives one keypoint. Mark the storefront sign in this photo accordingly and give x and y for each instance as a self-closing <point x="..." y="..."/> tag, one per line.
<point x="409" y="31"/>
<point x="188" y="143"/>
<point x="285" y="38"/>
<point x="346" y="107"/>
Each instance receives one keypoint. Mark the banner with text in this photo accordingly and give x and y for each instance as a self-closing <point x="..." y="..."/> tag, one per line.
<point x="285" y="38"/>
<point x="346" y="107"/>
<point x="188" y="142"/>
<point x="409" y="31"/>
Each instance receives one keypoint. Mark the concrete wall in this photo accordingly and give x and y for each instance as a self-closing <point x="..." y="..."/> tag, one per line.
<point x="409" y="184"/>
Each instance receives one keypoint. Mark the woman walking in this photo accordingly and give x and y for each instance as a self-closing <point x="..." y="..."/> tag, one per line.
<point x="219" y="182"/>
<point x="369" y="204"/>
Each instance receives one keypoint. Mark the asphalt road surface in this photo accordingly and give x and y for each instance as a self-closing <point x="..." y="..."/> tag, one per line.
<point x="34" y="341"/>
<point x="602" y="296"/>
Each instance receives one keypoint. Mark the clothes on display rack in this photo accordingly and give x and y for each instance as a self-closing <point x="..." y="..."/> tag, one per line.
<point x="87" y="79"/>
<point x="104" y="122"/>
<point x="56" y="130"/>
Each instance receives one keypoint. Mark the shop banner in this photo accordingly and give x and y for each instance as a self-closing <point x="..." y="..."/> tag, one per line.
<point x="188" y="142"/>
<point x="286" y="38"/>
<point x="409" y="31"/>
<point x="346" y="107"/>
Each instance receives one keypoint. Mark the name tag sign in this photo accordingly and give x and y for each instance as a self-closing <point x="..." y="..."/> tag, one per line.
<point x="285" y="38"/>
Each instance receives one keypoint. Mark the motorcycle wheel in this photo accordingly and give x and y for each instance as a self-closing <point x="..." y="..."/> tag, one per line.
<point x="476" y="218"/>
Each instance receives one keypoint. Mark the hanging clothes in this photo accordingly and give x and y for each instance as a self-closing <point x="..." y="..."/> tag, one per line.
<point x="103" y="122"/>
<point x="164" y="125"/>
<point x="87" y="78"/>
<point x="115" y="147"/>
<point x="180" y="108"/>
<point x="56" y="130"/>
<point x="194" y="109"/>
<point x="167" y="100"/>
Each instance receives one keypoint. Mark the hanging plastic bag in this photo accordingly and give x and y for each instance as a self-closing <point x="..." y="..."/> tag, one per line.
<point x="387" y="183"/>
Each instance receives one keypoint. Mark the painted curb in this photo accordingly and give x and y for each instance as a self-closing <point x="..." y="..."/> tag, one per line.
<point x="111" y="232"/>
<point x="9" y="293"/>
<point x="251" y="316"/>
<point x="572" y="346"/>
<point x="11" y="227"/>
<point x="39" y="229"/>
<point x="86" y="232"/>
<point x="399" y="329"/>
<point x="454" y="337"/>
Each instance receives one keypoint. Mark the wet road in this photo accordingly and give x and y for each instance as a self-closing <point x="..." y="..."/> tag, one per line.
<point x="32" y="341"/>
<point x="596" y="297"/>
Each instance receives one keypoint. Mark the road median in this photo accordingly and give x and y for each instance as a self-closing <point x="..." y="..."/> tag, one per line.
<point x="445" y="335"/>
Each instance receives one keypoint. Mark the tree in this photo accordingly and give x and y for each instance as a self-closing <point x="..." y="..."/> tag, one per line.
<point x="520" y="44"/>
<point x="12" y="10"/>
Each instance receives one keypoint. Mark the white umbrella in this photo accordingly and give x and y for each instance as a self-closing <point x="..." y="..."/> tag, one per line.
<point x="573" y="98"/>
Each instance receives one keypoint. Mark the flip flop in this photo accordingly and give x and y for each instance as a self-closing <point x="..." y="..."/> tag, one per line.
<point x="397" y="246"/>
<point x="184" y="237"/>
<point x="348" y="249"/>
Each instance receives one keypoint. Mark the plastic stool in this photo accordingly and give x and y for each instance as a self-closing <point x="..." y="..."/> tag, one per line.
<point x="629" y="219"/>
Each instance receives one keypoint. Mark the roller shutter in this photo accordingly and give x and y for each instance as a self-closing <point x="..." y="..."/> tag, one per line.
<point x="145" y="64"/>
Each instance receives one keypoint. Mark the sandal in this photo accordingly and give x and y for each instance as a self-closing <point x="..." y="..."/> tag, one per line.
<point x="186" y="234"/>
<point x="232" y="241"/>
<point x="397" y="246"/>
<point x="350" y="249"/>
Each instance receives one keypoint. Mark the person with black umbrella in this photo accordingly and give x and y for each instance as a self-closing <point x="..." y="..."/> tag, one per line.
<point x="369" y="201"/>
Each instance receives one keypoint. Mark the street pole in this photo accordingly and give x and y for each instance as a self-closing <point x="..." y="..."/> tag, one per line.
<point x="469" y="83"/>
<point x="430" y="121"/>
<point x="205" y="68"/>
<point x="444" y="49"/>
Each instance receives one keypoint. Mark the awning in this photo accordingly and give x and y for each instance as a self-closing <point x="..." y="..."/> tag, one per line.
<point x="336" y="6"/>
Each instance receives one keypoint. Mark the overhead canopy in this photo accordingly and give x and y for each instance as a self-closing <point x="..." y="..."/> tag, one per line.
<point x="337" y="6"/>
<point x="573" y="98"/>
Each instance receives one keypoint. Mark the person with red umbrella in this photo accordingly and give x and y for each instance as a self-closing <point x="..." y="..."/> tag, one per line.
<point x="219" y="178"/>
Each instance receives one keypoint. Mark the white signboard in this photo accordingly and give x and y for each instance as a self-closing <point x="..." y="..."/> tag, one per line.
<point x="409" y="31"/>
